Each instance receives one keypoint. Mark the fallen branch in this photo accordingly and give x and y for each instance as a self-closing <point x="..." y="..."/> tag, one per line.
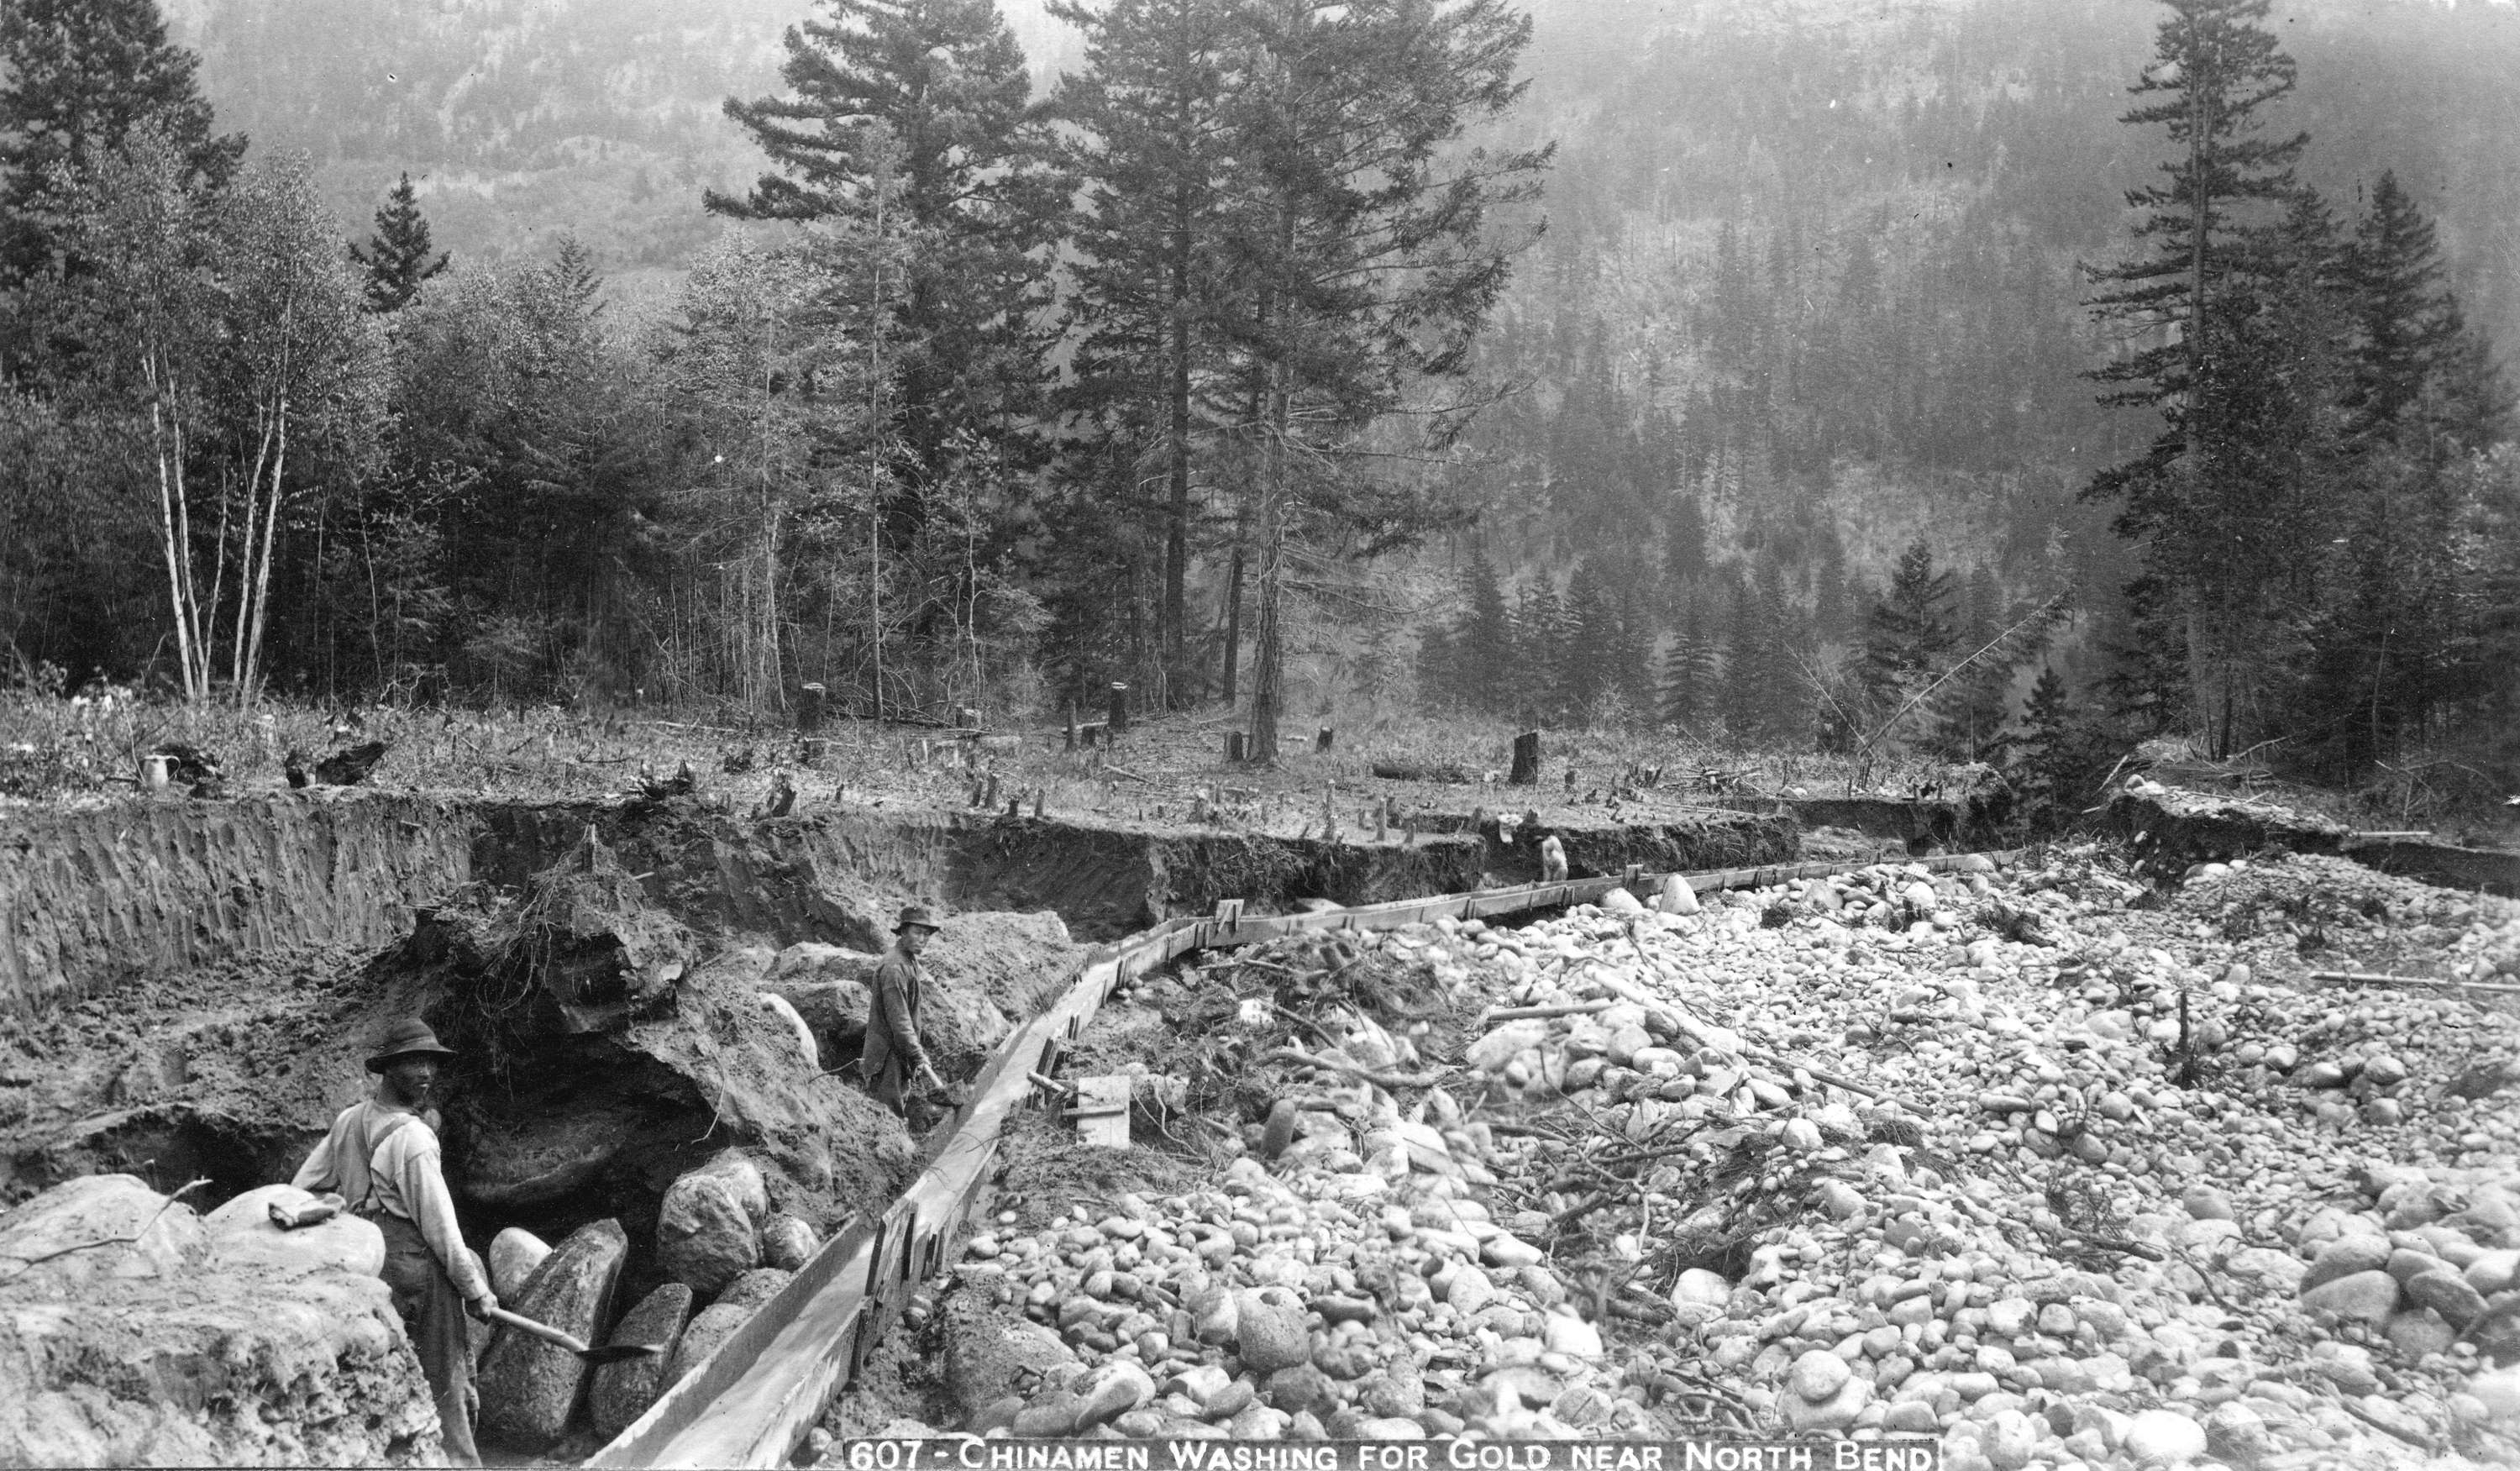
<point x="1123" y="771"/>
<point x="2364" y="978"/>
<point x="1526" y="1013"/>
<point x="1353" y="1070"/>
<point x="1817" y="1075"/>
<point x="2370" y="1419"/>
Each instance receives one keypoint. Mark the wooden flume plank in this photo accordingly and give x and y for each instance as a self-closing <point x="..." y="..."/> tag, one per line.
<point x="751" y="1401"/>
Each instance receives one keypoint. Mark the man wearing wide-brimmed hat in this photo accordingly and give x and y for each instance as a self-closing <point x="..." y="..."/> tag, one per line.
<point x="381" y="1157"/>
<point x="893" y="1053"/>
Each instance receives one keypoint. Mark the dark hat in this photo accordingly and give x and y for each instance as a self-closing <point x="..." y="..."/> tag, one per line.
<point x="407" y="1038"/>
<point x="915" y="913"/>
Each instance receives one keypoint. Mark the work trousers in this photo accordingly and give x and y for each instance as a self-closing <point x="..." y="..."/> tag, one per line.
<point x="432" y="1312"/>
<point x="890" y="1083"/>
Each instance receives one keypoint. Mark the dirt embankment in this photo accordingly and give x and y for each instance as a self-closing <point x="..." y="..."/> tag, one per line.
<point x="2172" y="828"/>
<point x="94" y="898"/>
<point x="837" y="876"/>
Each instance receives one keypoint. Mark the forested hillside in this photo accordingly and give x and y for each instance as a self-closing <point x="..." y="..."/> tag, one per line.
<point x="1069" y="344"/>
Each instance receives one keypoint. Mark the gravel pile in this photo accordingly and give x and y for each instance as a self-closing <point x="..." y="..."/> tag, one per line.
<point x="2060" y="1168"/>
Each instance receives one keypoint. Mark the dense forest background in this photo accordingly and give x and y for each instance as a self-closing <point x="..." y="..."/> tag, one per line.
<point x="1786" y="411"/>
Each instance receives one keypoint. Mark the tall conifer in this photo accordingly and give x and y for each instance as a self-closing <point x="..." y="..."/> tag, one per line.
<point x="400" y="255"/>
<point x="1153" y="162"/>
<point x="2191" y="291"/>
<point x="918" y="113"/>
<point x="77" y="79"/>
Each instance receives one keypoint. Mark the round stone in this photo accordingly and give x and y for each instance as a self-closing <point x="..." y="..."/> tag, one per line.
<point x="1818" y="1376"/>
<point x="2364" y="1297"/>
<point x="2164" y="1437"/>
<point x="2010" y="1439"/>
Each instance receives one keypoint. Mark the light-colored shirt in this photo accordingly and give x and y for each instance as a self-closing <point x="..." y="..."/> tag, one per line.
<point x="400" y="1176"/>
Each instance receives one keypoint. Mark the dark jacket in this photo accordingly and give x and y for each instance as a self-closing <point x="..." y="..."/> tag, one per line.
<point x="893" y="1051"/>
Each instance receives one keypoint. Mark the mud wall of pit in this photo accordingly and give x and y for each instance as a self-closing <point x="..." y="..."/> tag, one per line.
<point x="94" y="898"/>
<point x="2486" y="869"/>
<point x="1711" y="839"/>
<point x="835" y="876"/>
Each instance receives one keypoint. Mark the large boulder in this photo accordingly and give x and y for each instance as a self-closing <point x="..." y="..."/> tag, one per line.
<point x="991" y="1354"/>
<point x="784" y="1013"/>
<point x="100" y="1226"/>
<point x="715" y="1324"/>
<point x="220" y="1363"/>
<point x="788" y="1243"/>
<point x="744" y="1180"/>
<point x="1269" y="1333"/>
<point x="531" y="1388"/>
<point x="515" y="1255"/>
<point x="827" y="987"/>
<point x="625" y="1387"/>
<point x="983" y="969"/>
<point x="242" y="1234"/>
<point x="709" y="1230"/>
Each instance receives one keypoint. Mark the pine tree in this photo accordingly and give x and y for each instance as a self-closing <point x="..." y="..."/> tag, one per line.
<point x="1152" y="164"/>
<point x="1540" y="639"/>
<point x="1595" y="641"/>
<point x="1765" y="698"/>
<point x="1690" y="671"/>
<point x="1440" y="673"/>
<point x="915" y="113"/>
<point x="1483" y="642"/>
<point x="2059" y="750"/>
<point x="2411" y="348"/>
<point x="77" y="79"/>
<point x="2393" y="272"/>
<point x="398" y="257"/>
<point x="1368" y="267"/>
<point x="2206" y="478"/>
<point x="579" y="282"/>
<point x="1968" y="715"/>
<point x="1683" y="546"/>
<point x="1907" y="638"/>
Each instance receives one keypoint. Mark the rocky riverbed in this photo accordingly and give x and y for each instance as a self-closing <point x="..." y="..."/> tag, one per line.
<point x="2057" y="1167"/>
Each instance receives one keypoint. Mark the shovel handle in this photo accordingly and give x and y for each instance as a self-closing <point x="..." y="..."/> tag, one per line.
<point x="544" y="1331"/>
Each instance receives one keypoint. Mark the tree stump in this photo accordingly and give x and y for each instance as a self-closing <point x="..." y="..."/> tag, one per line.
<point x="809" y="708"/>
<point x="1322" y="742"/>
<point x="965" y="718"/>
<point x="1238" y="747"/>
<point x="1071" y="725"/>
<point x="1119" y="711"/>
<point x="1526" y="760"/>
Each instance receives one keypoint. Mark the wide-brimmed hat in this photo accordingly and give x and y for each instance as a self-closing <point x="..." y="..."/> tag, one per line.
<point x="915" y="913"/>
<point x="407" y="1038"/>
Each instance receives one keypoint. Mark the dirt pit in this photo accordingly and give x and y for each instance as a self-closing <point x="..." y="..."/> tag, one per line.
<point x="606" y="977"/>
<point x="612" y="1034"/>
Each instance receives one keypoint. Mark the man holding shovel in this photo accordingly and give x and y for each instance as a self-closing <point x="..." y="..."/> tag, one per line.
<point x="381" y="1157"/>
<point x="893" y="1051"/>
